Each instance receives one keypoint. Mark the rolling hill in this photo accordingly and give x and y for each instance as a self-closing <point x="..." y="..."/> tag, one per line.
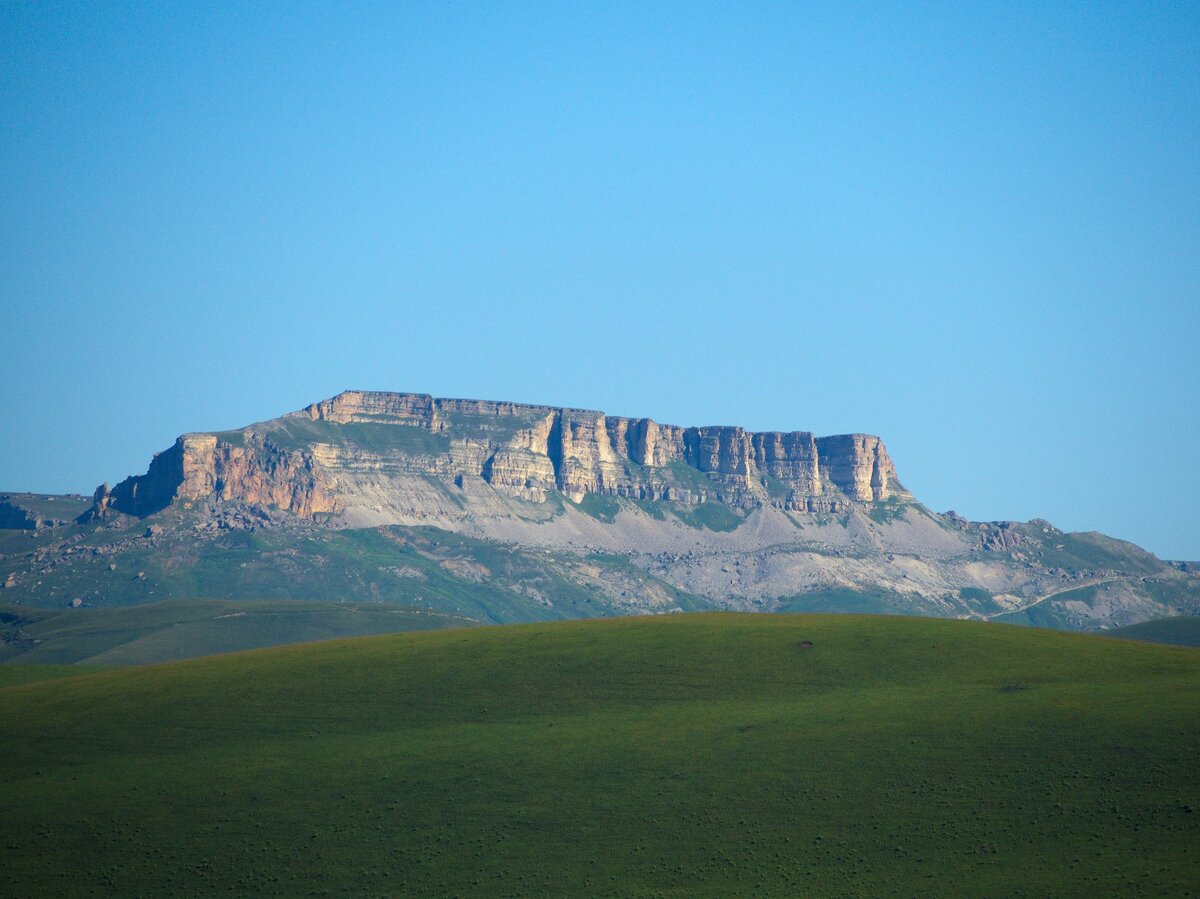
<point x="1183" y="630"/>
<point x="675" y="755"/>
<point x="183" y="629"/>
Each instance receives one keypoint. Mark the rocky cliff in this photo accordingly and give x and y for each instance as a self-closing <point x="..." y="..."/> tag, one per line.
<point x="408" y="456"/>
<point x="202" y="466"/>
<point x="513" y="512"/>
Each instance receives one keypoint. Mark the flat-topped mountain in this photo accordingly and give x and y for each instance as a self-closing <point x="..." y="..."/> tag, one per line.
<point x="495" y="511"/>
<point x="371" y="458"/>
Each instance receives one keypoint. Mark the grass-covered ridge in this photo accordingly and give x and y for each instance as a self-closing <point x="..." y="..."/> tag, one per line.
<point x="298" y="433"/>
<point x="1183" y="630"/>
<point x="11" y="675"/>
<point x="365" y="565"/>
<point x="680" y="755"/>
<point x="181" y="629"/>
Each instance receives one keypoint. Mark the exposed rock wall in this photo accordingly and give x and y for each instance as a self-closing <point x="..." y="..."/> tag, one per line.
<point x="257" y="473"/>
<point x="148" y="493"/>
<point x="17" y="518"/>
<point x="319" y="459"/>
<point x="858" y="465"/>
<point x="355" y="405"/>
<point x="201" y="466"/>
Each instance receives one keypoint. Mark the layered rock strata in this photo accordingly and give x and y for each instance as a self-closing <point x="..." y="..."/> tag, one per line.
<point x="362" y="449"/>
<point x="202" y="466"/>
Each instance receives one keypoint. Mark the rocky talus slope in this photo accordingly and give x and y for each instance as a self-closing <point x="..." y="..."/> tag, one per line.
<point x="503" y="511"/>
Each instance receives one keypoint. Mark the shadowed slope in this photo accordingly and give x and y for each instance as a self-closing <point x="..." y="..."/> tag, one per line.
<point x="1183" y="630"/>
<point x="184" y="629"/>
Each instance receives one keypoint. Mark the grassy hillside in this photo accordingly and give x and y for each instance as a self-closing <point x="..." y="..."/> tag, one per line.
<point x="182" y="629"/>
<point x="52" y="506"/>
<point x="27" y="674"/>
<point x="424" y="568"/>
<point x="680" y="755"/>
<point x="1147" y="597"/>
<point x="1183" y="630"/>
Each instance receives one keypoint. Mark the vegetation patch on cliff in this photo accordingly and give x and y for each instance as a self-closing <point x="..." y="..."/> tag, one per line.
<point x="495" y="428"/>
<point x="602" y="508"/>
<point x="775" y="488"/>
<point x="887" y="510"/>
<point x="712" y="516"/>
<point x="296" y="433"/>
<point x="653" y="508"/>
<point x="688" y="477"/>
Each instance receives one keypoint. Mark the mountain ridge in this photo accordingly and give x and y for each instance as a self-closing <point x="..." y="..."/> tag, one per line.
<point x="517" y="512"/>
<point x="524" y="450"/>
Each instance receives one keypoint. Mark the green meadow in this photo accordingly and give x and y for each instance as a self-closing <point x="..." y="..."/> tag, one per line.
<point x="699" y="754"/>
<point x="179" y="629"/>
<point x="1182" y="630"/>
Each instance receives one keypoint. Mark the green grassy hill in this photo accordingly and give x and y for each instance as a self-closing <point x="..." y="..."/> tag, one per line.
<point x="1182" y="630"/>
<point x="27" y="674"/>
<point x="182" y="629"/>
<point x="681" y="755"/>
<point x="437" y="571"/>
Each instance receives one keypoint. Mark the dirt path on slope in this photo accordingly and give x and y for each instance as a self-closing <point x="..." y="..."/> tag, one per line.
<point x="1051" y="595"/>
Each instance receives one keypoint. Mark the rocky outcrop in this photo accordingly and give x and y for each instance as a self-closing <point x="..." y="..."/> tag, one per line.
<point x="858" y="465"/>
<point x="36" y="511"/>
<point x="363" y="449"/>
<point x="13" y="516"/>
<point x="201" y="466"/>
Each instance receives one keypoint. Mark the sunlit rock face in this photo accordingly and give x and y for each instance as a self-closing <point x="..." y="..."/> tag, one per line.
<point x="405" y="456"/>
<point x="552" y="504"/>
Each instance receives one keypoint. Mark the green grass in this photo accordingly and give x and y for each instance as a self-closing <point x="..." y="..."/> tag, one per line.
<point x="863" y="602"/>
<point x="975" y="594"/>
<point x="713" y="516"/>
<point x="653" y="508"/>
<point x="1179" y="592"/>
<point x="416" y="567"/>
<point x="499" y="429"/>
<point x="1090" y="551"/>
<point x="679" y="756"/>
<point x="181" y="629"/>
<point x="776" y="488"/>
<point x="1183" y="630"/>
<point x="887" y="510"/>
<point x="233" y="438"/>
<point x="368" y="565"/>
<point x="64" y="507"/>
<point x="11" y="675"/>
<point x="1048" y="614"/>
<point x="684" y="475"/>
<point x="300" y="433"/>
<point x="602" y="508"/>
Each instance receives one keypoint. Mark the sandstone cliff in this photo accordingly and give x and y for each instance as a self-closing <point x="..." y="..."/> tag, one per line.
<point x="200" y="466"/>
<point x="412" y="455"/>
<point x="558" y="512"/>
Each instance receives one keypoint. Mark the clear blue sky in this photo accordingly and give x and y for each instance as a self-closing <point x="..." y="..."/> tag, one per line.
<point x="973" y="229"/>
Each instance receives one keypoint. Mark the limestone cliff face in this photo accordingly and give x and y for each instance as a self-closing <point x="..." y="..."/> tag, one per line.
<point x="366" y="449"/>
<point x="858" y="465"/>
<point x="202" y="466"/>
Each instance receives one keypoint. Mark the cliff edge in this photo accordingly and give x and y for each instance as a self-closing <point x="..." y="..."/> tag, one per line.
<point x="377" y="457"/>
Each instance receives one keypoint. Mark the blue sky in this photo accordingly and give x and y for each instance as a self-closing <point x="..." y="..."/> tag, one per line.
<point x="973" y="229"/>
